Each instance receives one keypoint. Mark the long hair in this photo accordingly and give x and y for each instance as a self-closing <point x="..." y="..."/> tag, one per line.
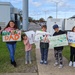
<point x="73" y="28"/>
<point x="23" y="35"/>
<point x="8" y="25"/>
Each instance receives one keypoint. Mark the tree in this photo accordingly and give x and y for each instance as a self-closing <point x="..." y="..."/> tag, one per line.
<point x="50" y="17"/>
<point x="30" y="19"/>
<point x="41" y="20"/>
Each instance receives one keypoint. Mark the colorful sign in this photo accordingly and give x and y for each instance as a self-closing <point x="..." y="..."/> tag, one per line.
<point x="11" y="36"/>
<point x="57" y="41"/>
<point x="71" y="37"/>
<point x="40" y="35"/>
<point x="31" y="36"/>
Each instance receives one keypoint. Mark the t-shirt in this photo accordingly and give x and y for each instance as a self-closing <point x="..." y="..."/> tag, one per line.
<point x="59" y="33"/>
<point x="44" y="44"/>
<point x="72" y="44"/>
<point x="28" y="46"/>
<point x="9" y="29"/>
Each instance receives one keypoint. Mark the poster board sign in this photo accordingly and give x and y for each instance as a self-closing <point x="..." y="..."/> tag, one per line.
<point x="57" y="41"/>
<point x="11" y="36"/>
<point x="31" y="36"/>
<point x="40" y="35"/>
<point x="71" y="37"/>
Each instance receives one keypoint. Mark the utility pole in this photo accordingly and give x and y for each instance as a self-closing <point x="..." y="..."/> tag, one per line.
<point x="25" y="14"/>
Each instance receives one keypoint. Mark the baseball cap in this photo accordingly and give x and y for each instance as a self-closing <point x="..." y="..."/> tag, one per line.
<point x="55" y="26"/>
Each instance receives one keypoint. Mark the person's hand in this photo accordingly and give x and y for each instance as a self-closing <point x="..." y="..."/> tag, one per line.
<point x="12" y="32"/>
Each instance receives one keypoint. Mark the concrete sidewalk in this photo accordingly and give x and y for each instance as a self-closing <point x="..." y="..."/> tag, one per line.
<point x="18" y="74"/>
<point x="50" y="69"/>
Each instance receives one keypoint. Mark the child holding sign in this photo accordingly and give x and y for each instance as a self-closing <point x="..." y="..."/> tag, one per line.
<point x="58" y="50"/>
<point x="28" y="48"/>
<point x="44" y="45"/>
<point x="72" y="52"/>
<point x="11" y="45"/>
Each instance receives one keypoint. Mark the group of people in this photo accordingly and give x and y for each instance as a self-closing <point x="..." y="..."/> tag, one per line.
<point x="44" y="47"/>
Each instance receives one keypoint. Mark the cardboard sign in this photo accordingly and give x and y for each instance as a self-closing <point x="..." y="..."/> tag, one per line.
<point x="11" y="36"/>
<point x="71" y="37"/>
<point x="31" y="36"/>
<point x="57" y="41"/>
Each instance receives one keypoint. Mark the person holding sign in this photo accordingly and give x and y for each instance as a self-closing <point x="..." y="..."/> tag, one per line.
<point x="58" y="50"/>
<point x="44" y="45"/>
<point x="11" y="27"/>
<point x="28" y="48"/>
<point x="72" y="52"/>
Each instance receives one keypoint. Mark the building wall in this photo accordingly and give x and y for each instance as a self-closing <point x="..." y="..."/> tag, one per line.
<point x="69" y="24"/>
<point x="4" y="14"/>
<point x="51" y="22"/>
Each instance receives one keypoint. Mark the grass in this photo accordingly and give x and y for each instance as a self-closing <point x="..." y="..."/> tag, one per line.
<point x="66" y="52"/>
<point x="6" y="67"/>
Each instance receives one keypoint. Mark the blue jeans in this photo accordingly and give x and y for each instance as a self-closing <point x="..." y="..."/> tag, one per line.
<point x="28" y="56"/>
<point x="44" y="54"/>
<point x="11" y="48"/>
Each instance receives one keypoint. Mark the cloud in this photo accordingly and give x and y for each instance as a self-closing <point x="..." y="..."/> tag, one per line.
<point x="60" y="3"/>
<point x="12" y="1"/>
<point x="35" y="3"/>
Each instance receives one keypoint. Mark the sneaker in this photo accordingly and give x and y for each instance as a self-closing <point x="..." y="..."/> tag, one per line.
<point x="26" y="62"/>
<point x="60" y="66"/>
<point x="70" y="63"/>
<point x="41" y="62"/>
<point x="56" y="63"/>
<point x="73" y="64"/>
<point x="45" y="62"/>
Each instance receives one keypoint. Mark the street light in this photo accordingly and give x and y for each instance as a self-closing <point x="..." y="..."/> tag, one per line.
<point x="46" y="11"/>
<point x="56" y="8"/>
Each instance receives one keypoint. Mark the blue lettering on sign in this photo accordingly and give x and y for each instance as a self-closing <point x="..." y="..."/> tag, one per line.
<point x="70" y="40"/>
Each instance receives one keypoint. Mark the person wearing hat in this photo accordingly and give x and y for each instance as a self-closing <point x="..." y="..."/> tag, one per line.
<point x="58" y="50"/>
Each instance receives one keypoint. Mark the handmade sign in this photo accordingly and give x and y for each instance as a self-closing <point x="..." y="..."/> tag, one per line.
<point x="40" y="35"/>
<point x="71" y="37"/>
<point x="60" y="40"/>
<point x="11" y="36"/>
<point x="31" y="36"/>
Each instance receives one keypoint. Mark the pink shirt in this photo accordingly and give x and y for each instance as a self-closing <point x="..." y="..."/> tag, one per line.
<point x="9" y="29"/>
<point x="28" y="46"/>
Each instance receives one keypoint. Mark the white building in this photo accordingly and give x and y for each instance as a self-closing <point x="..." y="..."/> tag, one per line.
<point x="64" y="24"/>
<point x="7" y="13"/>
<point x="51" y="22"/>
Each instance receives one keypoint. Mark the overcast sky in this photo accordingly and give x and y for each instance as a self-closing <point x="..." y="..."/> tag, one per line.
<point x="45" y="8"/>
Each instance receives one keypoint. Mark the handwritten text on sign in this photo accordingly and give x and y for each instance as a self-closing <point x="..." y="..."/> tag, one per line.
<point x="11" y="36"/>
<point x="71" y="37"/>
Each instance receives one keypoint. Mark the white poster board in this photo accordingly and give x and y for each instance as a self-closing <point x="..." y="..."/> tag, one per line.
<point x="71" y="37"/>
<point x="57" y="41"/>
<point x="40" y="35"/>
<point x="31" y="36"/>
<point x="9" y="36"/>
